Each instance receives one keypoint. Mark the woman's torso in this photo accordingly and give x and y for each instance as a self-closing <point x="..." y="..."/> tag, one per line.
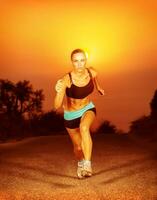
<point x="78" y="92"/>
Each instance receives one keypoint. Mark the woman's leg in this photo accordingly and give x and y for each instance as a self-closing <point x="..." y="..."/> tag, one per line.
<point x="76" y="140"/>
<point x="86" y="142"/>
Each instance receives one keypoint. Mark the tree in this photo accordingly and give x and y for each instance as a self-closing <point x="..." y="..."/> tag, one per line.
<point x="153" y="106"/>
<point x="146" y="126"/>
<point x="7" y="96"/>
<point x="18" y="101"/>
<point x="23" y="93"/>
<point x="48" y="123"/>
<point x="106" y="127"/>
<point x="20" y="98"/>
<point x="35" y="104"/>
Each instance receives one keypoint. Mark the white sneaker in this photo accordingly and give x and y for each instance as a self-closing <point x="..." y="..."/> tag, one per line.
<point x="87" y="172"/>
<point x="80" y="168"/>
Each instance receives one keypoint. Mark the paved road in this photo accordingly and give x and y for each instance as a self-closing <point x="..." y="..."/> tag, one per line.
<point x="44" y="168"/>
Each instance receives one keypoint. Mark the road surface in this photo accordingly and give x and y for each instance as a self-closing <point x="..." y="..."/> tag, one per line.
<point x="44" y="168"/>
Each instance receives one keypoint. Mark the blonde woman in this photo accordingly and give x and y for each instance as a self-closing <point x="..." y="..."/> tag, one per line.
<point x="79" y="110"/>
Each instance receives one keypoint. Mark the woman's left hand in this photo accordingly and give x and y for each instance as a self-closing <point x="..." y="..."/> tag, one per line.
<point x="101" y="91"/>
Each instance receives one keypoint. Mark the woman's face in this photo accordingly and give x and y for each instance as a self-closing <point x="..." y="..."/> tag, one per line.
<point x="79" y="61"/>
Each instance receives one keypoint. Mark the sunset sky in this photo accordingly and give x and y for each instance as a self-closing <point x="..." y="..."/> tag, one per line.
<point x="38" y="36"/>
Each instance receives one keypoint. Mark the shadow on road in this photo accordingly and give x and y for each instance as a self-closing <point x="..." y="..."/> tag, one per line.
<point x="133" y="167"/>
<point x="11" y="170"/>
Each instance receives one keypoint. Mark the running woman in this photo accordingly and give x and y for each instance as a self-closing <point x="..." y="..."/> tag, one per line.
<point x="79" y="110"/>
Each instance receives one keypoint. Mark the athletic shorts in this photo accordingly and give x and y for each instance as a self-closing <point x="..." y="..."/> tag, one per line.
<point x="72" y="118"/>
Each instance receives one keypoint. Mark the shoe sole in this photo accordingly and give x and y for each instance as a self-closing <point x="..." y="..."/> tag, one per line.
<point x="86" y="173"/>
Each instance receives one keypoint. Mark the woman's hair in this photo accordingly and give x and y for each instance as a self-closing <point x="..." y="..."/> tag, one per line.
<point x="77" y="51"/>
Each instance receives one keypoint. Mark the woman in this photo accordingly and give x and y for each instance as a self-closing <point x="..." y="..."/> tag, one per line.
<point x="79" y="111"/>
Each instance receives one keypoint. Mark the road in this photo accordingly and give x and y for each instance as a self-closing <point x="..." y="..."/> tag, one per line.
<point x="45" y="168"/>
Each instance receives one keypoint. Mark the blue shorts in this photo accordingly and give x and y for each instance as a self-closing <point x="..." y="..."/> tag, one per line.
<point x="72" y="118"/>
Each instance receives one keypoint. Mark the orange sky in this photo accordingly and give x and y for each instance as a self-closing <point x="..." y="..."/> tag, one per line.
<point x="38" y="36"/>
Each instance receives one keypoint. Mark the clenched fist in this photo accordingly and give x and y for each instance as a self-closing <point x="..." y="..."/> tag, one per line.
<point x="59" y="86"/>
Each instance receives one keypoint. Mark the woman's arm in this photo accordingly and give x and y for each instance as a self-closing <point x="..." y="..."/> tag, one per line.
<point x="96" y="82"/>
<point x="60" y="88"/>
<point x="99" y="89"/>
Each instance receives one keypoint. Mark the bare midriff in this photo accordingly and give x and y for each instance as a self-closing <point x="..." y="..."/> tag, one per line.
<point x="72" y="104"/>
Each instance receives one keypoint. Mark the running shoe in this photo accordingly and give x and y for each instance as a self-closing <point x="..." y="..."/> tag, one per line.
<point x="87" y="171"/>
<point x="80" y="168"/>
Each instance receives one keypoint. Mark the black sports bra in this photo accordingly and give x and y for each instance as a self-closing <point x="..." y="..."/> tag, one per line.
<point x="80" y="92"/>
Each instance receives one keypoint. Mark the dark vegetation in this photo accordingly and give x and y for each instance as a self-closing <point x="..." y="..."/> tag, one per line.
<point x="146" y="126"/>
<point x="22" y="115"/>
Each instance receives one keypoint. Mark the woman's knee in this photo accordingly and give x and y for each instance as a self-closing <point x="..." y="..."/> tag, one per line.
<point x="84" y="128"/>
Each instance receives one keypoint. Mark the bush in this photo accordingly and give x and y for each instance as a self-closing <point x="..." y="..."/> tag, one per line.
<point x="107" y="128"/>
<point x="145" y="127"/>
<point x="48" y="123"/>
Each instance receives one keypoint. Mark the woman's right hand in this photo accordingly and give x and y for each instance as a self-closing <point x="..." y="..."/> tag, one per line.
<point x="59" y="86"/>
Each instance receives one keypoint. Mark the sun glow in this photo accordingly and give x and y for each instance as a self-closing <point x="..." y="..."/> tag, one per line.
<point x="119" y="37"/>
<point x="36" y="34"/>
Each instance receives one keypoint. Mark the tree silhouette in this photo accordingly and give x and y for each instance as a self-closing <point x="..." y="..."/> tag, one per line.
<point x="7" y="96"/>
<point x="18" y="104"/>
<point x="153" y="105"/>
<point x="48" y="123"/>
<point x="20" y="98"/>
<point x="35" y="104"/>
<point x="106" y="127"/>
<point x="23" y="91"/>
<point x="146" y="126"/>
